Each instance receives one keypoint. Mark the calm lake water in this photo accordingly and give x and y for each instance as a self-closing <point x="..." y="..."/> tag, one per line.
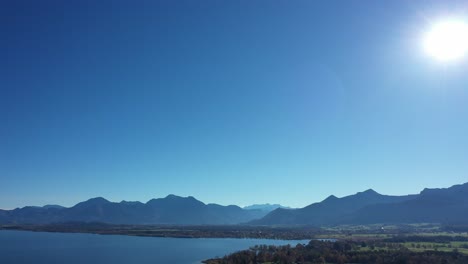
<point x="22" y="247"/>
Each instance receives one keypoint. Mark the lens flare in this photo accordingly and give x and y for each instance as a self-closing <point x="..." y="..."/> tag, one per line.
<point x="447" y="40"/>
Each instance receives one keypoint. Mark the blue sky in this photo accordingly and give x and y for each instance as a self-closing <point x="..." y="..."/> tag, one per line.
<point x="232" y="102"/>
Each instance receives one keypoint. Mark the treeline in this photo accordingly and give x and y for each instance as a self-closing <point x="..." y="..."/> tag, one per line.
<point x="232" y="231"/>
<point x="338" y="252"/>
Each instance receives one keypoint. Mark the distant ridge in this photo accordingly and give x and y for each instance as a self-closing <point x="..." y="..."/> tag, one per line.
<point x="445" y="205"/>
<point x="172" y="209"/>
<point x="448" y="205"/>
<point x="49" y="206"/>
<point x="265" y="207"/>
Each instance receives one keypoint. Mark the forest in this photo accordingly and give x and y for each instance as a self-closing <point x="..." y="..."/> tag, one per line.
<point x="340" y="252"/>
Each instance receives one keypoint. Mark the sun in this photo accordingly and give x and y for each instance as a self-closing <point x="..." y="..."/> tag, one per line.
<point x="447" y="40"/>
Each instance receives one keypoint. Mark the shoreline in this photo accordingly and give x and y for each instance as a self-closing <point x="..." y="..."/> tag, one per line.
<point x="193" y="232"/>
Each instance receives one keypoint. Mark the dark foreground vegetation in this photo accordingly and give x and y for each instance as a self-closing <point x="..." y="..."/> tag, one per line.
<point x="340" y="252"/>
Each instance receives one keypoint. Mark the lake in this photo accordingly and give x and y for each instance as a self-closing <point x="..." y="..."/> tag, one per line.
<point x="23" y="247"/>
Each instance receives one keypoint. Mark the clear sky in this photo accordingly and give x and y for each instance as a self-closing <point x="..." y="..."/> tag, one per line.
<point x="232" y="102"/>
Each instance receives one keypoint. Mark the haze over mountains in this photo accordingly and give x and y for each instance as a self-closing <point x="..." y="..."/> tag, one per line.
<point x="265" y="207"/>
<point x="169" y="210"/>
<point x="448" y="205"/>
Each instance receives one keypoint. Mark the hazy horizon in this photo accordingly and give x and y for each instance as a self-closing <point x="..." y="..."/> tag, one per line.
<point x="229" y="102"/>
<point x="240" y="205"/>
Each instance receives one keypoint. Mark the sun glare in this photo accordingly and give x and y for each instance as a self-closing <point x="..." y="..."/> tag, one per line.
<point x="447" y="40"/>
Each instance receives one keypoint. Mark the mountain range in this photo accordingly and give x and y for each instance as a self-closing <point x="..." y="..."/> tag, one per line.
<point x="174" y="210"/>
<point x="449" y="205"/>
<point x="265" y="207"/>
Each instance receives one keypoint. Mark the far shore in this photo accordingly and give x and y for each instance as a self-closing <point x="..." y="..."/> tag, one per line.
<point x="174" y="231"/>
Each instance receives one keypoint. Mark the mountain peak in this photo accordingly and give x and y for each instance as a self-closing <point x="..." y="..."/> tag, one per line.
<point x="176" y="197"/>
<point x="93" y="202"/>
<point x="369" y="192"/>
<point x="98" y="200"/>
<point x="330" y="198"/>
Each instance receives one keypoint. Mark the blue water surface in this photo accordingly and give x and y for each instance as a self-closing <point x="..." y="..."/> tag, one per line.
<point x="23" y="247"/>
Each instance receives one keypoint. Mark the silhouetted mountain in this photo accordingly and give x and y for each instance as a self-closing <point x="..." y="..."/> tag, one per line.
<point x="264" y="207"/>
<point x="449" y="206"/>
<point x="430" y="206"/>
<point x="49" y="206"/>
<point x="30" y="214"/>
<point x="169" y="210"/>
<point x="329" y="211"/>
